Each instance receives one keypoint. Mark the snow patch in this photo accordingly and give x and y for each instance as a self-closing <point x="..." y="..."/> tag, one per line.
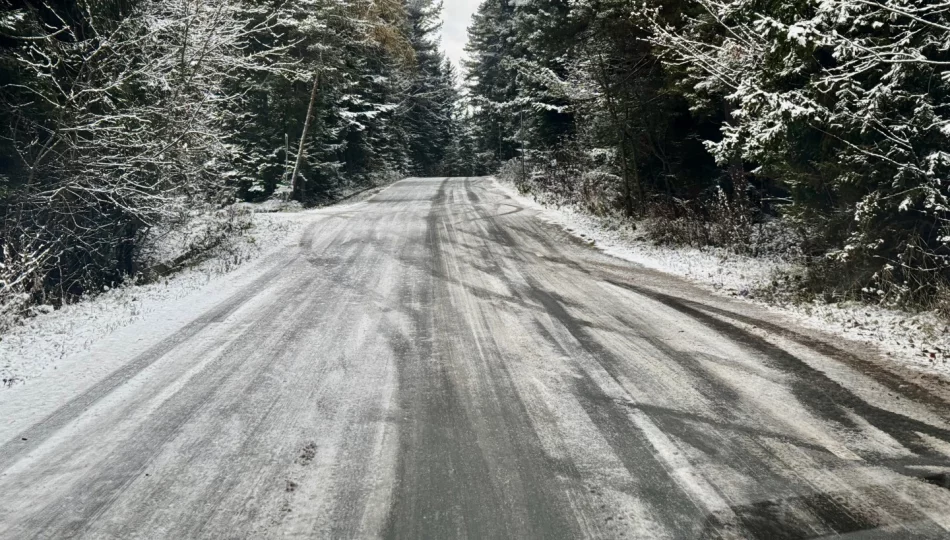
<point x="40" y="342"/>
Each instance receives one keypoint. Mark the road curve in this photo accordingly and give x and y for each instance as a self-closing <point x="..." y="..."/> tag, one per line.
<point x="438" y="362"/>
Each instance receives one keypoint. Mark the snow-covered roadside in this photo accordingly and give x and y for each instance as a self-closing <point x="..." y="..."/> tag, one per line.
<point x="41" y="342"/>
<point x="921" y="341"/>
<point x="47" y="341"/>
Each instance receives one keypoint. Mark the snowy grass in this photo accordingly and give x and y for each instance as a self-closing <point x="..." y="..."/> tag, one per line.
<point x="918" y="340"/>
<point x="39" y="342"/>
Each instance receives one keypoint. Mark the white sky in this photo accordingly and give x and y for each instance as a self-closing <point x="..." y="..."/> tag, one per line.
<point x="456" y="16"/>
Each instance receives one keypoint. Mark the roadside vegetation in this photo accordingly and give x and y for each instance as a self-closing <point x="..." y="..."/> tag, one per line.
<point x="816" y="130"/>
<point x="130" y="128"/>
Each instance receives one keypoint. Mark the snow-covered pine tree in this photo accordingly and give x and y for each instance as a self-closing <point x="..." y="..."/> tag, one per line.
<point x="427" y="111"/>
<point x="845" y="102"/>
<point x="490" y="79"/>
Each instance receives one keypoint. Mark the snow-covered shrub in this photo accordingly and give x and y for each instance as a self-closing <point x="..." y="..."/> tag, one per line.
<point x="677" y="221"/>
<point x="191" y="236"/>
<point x="568" y="175"/>
<point x="20" y="279"/>
<point x="117" y="119"/>
<point x="715" y="220"/>
<point x="599" y="191"/>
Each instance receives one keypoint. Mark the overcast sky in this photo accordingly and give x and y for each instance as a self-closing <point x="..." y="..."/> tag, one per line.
<point x="455" y="20"/>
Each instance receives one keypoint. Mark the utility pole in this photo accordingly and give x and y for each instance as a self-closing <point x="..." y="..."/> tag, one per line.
<point x="297" y="190"/>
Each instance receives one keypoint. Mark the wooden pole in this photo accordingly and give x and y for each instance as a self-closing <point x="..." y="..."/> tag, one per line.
<point x="297" y="188"/>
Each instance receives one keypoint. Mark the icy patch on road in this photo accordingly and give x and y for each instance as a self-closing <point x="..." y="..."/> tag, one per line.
<point x="921" y="341"/>
<point x="36" y="345"/>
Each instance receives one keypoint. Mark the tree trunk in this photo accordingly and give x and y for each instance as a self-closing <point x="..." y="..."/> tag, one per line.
<point x="297" y="187"/>
<point x="621" y="126"/>
<point x="635" y="167"/>
<point x="737" y="174"/>
<point x="625" y="174"/>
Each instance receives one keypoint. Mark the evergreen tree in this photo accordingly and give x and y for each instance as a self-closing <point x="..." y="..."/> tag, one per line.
<point x="428" y="109"/>
<point x="491" y="80"/>
<point x="844" y="102"/>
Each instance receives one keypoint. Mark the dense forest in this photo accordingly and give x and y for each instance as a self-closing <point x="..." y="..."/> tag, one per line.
<point x="119" y="115"/>
<point x="825" y="122"/>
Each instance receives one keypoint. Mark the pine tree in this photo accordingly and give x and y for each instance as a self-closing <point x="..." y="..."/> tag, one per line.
<point x="491" y="80"/>
<point x="843" y="102"/>
<point x="428" y="107"/>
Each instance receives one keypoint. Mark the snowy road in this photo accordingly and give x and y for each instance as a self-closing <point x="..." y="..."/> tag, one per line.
<point x="437" y="362"/>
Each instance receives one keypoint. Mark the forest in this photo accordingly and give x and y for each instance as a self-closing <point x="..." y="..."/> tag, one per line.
<point x="819" y="125"/>
<point x="121" y="116"/>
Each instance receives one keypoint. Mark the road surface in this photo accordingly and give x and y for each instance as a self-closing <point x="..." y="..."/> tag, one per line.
<point x="438" y="362"/>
